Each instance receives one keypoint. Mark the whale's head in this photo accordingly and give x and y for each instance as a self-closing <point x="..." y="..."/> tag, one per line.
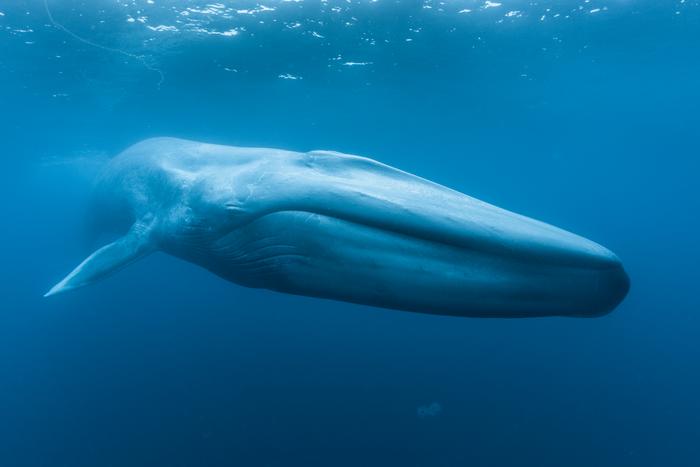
<point x="344" y="227"/>
<point x="535" y="269"/>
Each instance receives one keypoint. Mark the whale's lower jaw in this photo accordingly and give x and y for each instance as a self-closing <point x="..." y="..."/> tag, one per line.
<point x="321" y="256"/>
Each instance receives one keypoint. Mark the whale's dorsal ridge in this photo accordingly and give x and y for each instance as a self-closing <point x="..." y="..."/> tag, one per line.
<point x="108" y="259"/>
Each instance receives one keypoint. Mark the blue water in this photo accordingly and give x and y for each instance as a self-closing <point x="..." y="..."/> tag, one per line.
<point x="584" y="114"/>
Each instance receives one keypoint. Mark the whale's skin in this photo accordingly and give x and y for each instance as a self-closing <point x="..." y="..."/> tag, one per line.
<point x="343" y="227"/>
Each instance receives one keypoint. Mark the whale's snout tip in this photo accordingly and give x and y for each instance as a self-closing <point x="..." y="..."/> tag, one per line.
<point x="618" y="284"/>
<point x="611" y="287"/>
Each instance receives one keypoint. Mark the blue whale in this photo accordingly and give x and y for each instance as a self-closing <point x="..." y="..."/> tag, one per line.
<point x="342" y="227"/>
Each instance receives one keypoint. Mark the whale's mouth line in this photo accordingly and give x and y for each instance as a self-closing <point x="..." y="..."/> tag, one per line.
<point x="484" y="246"/>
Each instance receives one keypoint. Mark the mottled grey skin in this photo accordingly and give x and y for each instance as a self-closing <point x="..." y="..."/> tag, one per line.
<point x="343" y="227"/>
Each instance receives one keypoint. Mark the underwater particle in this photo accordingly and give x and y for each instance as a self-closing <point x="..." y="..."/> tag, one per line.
<point x="431" y="410"/>
<point x="289" y="76"/>
<point x="489" y="4"/>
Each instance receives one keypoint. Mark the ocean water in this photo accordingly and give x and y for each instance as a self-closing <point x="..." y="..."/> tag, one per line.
<point x="584" y="114"/>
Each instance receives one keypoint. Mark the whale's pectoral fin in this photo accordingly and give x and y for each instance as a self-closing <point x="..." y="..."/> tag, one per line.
<point x="110" y="258"/>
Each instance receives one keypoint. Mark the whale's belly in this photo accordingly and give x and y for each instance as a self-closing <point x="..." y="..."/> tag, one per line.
<point x="316" y="255"/>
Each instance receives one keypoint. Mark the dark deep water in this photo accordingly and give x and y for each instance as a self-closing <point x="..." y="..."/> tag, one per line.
<point x="588" y="120"/>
